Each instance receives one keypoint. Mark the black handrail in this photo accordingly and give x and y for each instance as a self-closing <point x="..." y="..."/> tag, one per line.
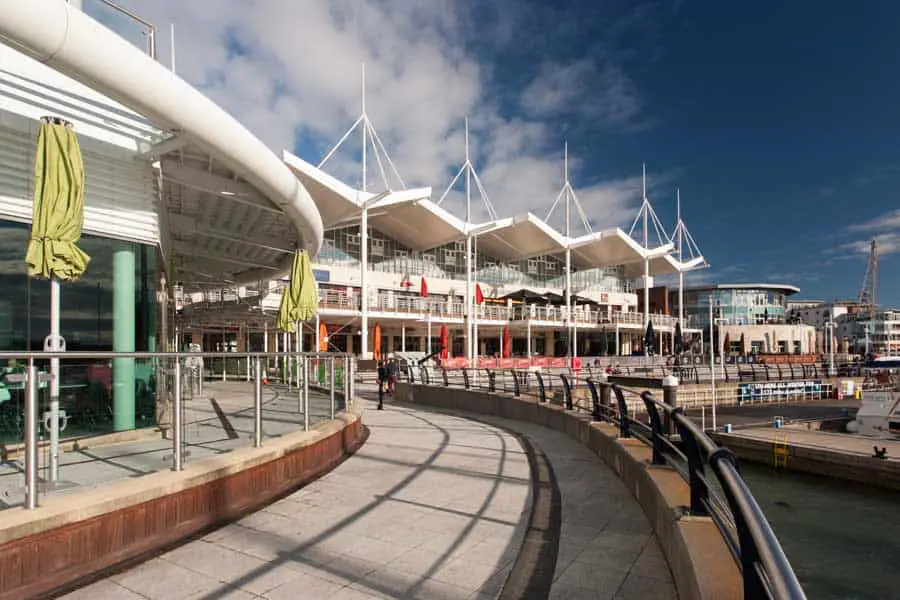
<point x="766" y="570"/>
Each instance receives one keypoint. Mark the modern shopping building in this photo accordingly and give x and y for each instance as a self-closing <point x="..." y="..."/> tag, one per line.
<point x="381" y="253"/>
<point x="179" y="194"/>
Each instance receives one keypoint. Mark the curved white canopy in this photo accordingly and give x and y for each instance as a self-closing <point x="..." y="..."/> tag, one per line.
<point x="227" y="194"/>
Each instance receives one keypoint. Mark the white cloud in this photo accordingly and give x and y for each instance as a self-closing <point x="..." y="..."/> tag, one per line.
<point x="290" y="71"/>
<point x="571" y="89"/>
<point x="884" y="229"/>
<point x="889" y="220"/>
<point x="888" y="243"/>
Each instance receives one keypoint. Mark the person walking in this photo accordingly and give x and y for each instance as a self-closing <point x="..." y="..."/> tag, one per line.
<point x="393" y="374"/>
<point x="382" y="381"/>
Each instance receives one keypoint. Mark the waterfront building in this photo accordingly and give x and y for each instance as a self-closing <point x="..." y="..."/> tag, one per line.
<point x="755" y="313"/>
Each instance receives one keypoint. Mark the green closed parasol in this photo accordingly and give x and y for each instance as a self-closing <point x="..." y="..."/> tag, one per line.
<point x="53" y="252"/>
<point x="58" y="213"/>
<point x="299" y="301"/>
<point x="307" y="301"/>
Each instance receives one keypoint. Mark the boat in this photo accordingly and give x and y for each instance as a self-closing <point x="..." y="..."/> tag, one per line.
<point x="879" y="414"/>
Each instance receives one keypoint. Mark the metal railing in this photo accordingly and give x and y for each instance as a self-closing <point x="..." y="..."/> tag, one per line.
<point x="177" y="376"/>
<point x="675" y="440"/>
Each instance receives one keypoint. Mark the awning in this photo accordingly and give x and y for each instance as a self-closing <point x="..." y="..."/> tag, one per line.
<point x="517" y="238"/>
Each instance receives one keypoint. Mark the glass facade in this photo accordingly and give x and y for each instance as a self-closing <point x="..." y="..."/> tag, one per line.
<point x="88" y="322"/>
<point x="736" y="306"/>
<point x="342" y="248"/>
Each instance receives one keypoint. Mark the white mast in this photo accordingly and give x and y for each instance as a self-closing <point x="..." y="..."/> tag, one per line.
<point x="471" y="174"/>
<point x="647" y="216"/>
<point x="390" y="178"/>
<point x="568" y="196"/>
<point x="689" y="255"/>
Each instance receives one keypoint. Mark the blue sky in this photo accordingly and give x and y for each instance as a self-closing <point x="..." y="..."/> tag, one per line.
<point x="776" y="121"/>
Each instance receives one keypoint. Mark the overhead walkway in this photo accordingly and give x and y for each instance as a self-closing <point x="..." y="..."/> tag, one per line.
<point x="432" y="506"/>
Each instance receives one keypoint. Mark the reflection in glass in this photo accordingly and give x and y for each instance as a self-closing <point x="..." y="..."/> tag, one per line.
<point x="86" y="324"/>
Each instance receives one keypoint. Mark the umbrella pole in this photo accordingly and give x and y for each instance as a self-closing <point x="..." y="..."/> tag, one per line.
<point x="54" y="344"/>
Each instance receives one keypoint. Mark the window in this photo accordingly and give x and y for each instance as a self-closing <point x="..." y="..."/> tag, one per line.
<point x="377" y="247"/>
<point x="532" y="266"/>
<point x="450" y="257"/>
<point x="401" y="254"/>
<point x="352" y="239"/>
<point x="429" y="258"/>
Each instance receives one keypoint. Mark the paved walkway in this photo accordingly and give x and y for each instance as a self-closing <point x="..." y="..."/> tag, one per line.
<point x="219" y="421"/>
<point x="432" y="506"/>
<point x="607" y="548"/>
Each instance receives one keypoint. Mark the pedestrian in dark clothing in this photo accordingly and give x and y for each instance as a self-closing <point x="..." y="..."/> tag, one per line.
<point x="382" y="379"/>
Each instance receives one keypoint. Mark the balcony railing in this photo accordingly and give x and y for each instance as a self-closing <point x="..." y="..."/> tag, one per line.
<point x="415" y="305"/>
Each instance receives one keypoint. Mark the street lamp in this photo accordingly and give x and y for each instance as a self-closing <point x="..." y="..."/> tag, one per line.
<point x="829" y="332"/>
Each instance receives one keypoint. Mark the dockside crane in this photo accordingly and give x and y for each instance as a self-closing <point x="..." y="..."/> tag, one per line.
<point x="868" y="294"/>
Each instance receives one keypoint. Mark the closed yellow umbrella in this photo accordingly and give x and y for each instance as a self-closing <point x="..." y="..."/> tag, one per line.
<point x="285" y="323"/>
<point x="307" y="301"/>
<point x="58" y="211"/>
<point x="287" y="311"/>
<point x="56" y="224"/>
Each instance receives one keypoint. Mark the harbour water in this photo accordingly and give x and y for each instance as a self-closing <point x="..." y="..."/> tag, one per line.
<point x="842" y="539"/>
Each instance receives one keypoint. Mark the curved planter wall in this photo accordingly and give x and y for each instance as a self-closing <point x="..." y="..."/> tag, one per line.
<point x="701" y="563"/>
<point x="74" y="536"/>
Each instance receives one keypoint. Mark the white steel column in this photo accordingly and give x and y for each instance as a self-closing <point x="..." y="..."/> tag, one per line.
<point x="476" y="349"/>
<point x="470" y="299"/>
<point x="318" y="335"/>
<point x="403" y="338"/>
<point x="363" y="284"/>
<point x="569" y="328"/>
<point x="470" y="264"/>
<point x="528" y="330"/>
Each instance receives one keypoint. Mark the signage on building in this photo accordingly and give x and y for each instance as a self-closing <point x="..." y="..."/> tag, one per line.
<point x="768" y="391"/>
<point x="321" y="275"/>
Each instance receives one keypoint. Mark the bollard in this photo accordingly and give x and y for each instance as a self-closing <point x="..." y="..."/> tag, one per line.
<point x="257" y="405"/>
<point x="670" y="398"/>
<point x="31" y="443"/>
<point x="331" y="384"/>
<point x="605" y="396"/>
<point x="177" y="423"/>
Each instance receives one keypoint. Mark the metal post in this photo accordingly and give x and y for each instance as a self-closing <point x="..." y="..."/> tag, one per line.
<point x="670" y="397"/>
<point x="257" y="405"/>
<point x="53" y="344"/>
<point x="177" y="422"/>
<point x="830" y="328"/>
<point x="31" y="442"/>
<point x="332" y="381"/>
<point x="351" y="368"/>
<point x="305" y="394"/>
<point x="712" y="361"/>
